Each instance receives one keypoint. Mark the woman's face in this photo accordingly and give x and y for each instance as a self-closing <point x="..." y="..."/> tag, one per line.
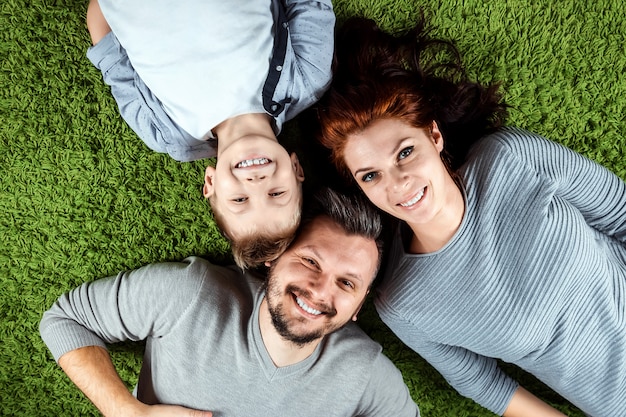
<point x="399" y="168"/>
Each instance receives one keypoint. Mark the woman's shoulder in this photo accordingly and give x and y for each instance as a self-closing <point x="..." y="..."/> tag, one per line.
<point x="512" y="138"/>
<point x="507" y="143"/>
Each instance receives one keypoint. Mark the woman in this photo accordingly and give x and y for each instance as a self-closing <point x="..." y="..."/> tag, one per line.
<point x="509" y="246"/>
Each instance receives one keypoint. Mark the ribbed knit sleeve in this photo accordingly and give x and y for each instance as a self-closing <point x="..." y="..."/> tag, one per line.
<point x="595" y="191"/>
<point x="535" y="276"/>
<point x="108" y="310"/>
<point x="474" y="376"/>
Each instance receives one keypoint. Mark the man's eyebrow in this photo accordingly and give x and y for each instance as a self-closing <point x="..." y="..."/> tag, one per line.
<point x="354" y="276"/>
<point x="348" y="274"/>
<point x="313" y="249"/>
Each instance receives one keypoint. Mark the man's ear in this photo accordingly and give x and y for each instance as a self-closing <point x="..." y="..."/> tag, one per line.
<point x="436" y="136"/>
<point x="358" y="310"/>
<point x="297" y="168"/>
<point x="208" y="188"/>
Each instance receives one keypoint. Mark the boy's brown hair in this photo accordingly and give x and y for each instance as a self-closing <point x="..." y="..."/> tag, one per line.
<point x="258" y="246"/>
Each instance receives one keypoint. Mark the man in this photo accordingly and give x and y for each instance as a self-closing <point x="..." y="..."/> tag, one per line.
<point x="205" y="78"/>
<point x="222" y="341"/>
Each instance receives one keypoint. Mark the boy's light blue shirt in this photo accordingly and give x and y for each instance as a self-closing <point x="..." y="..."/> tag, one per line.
<point x="174" y="79"/>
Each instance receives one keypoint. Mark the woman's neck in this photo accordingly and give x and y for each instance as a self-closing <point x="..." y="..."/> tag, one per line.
<point x="434" y="235"/>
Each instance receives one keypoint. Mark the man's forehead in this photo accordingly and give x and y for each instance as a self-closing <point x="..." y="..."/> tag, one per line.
<point x="322" y="225"/>
<point x="324" y="237"/>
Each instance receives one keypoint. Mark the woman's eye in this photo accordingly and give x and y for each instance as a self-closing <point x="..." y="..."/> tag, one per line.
<point x="276" y="194"/>
<point x="405" y="152"/>
<point x="240" y="200"/>
<point x="370" y="176"/>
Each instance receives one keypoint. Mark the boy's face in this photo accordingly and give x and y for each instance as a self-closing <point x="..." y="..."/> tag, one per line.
<point x="255" y="184"/>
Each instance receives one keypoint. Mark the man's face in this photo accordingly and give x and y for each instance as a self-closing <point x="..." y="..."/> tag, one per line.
<point x="320" y="282"/>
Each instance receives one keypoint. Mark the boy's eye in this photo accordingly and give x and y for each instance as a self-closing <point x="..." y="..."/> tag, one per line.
<point x="405" y="152"/>
<point x="276" y="194"/>
<point x="240" y="200"/>
<point x="370" y="176"/>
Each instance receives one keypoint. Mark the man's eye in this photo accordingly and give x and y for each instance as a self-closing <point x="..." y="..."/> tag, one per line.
<point x="347" y="283"/>
<point x="370" y="176"/>
<point x="240" y="200"/>
<point x="310" y="261"/>
<point x="276" y="194"/>
<point x="405" y="152"/>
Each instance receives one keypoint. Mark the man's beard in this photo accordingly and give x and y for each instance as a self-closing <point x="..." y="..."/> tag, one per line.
<point x="282" y="323"/>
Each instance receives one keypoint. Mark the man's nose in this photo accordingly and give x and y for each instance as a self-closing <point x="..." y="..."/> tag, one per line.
<point x="321" y="287"/>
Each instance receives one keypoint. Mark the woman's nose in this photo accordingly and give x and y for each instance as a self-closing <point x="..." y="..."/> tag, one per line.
<point x="399" y="180"/>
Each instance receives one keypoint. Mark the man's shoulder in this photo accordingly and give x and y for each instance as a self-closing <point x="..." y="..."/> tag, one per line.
<point x="351" y="338"/>
<point x="198" y="274"/>
<point x="224" y="276"/>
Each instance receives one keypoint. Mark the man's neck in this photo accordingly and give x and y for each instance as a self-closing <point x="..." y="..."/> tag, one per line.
<point x="282" y="352"/>
<point x="243" y="125"/>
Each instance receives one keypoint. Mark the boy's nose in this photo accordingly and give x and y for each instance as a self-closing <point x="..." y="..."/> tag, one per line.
<point x="256" y="178"/>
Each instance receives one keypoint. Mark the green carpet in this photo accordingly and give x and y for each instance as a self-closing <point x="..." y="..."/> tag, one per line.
<point x="81" y="197"/>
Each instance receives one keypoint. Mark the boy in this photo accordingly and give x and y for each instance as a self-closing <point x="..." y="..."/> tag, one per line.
<point x="187" y="76"/>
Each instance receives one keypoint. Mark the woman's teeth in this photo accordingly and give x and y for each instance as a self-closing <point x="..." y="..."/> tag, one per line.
<point x="307" y="308"/>
<point x="250" y="162"/>
<point x="414" y="200"/>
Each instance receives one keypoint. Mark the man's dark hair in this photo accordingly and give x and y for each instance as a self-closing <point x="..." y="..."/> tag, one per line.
<point x="352" y="212"/>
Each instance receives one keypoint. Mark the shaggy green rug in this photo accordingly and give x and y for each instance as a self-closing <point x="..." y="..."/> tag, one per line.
<point x="81" y="197"/>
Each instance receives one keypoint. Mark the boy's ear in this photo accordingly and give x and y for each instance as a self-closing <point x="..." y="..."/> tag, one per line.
<point x="297" y="168"/>
<point x="208" y="188"/>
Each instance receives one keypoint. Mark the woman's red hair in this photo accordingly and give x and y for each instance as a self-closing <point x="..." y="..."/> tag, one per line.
<point x="411" y="77"/>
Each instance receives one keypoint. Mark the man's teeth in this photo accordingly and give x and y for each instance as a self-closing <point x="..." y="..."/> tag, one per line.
<point x="307" y="308"/>
<point x="414" y="200"/>
<point x="250" y="162"/>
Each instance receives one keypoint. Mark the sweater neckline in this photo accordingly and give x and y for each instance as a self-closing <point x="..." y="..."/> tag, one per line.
<point x="270" y="370"/>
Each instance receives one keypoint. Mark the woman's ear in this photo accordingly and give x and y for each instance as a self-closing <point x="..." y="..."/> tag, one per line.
<point x="208" y="188"/>
<point x="436" y="136"/>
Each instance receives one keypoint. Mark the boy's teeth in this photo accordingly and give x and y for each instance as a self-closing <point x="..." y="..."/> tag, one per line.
<point x="413" y="200"/>
<point x="255" y="161"/>
<point x="307" y="308"/>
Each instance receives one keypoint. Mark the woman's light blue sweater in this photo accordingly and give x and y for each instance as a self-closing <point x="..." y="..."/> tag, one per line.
<point x="535" y="276"/>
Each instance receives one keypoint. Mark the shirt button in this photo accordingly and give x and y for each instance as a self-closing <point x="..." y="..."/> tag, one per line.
<point x="279" y="68"/>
